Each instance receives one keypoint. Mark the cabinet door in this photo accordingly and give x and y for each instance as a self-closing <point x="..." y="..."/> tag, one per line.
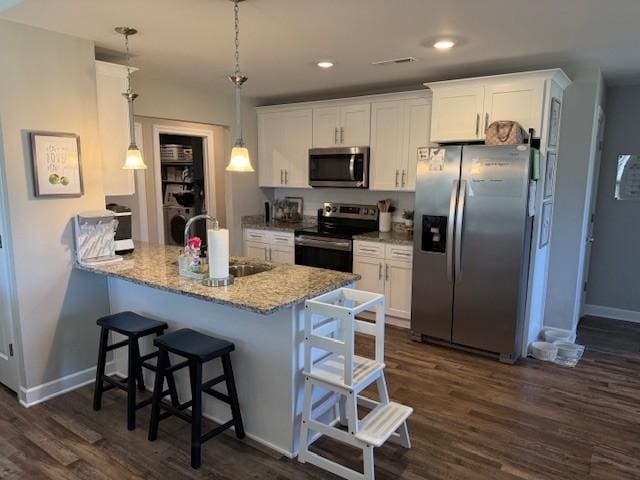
<point x="388" y="144"/>
<point x="355" y="124"/>
<point x="398" y="288"/>
<point x="113" y="119"/>
<point x="256" y="250"/>
<point x="282" y="254"/>
<point x="299" y="134"/>
<point x="456" y="114"/>
<point x="520" y="100"/>
<point x="272" y="146"/>
<point x="418" y="115"/>
<point x="371" y="270"/>
<point x="326" y="122"/>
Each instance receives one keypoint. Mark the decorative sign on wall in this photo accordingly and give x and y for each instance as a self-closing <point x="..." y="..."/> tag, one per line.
<point x="550" y="174"/>
<point x="628" y="178"/>
<point x="545" y="225"/>
<point x="56" y="164"/>
<point x="554" y="122"/>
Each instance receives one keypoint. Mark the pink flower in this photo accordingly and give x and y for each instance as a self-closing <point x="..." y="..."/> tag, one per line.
<point x="194" y="243"/>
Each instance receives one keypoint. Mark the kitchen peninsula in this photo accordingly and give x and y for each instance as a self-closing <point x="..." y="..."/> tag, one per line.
<point x="260" y="313"/>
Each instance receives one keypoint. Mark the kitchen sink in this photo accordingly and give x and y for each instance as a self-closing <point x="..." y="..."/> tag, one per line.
<point x="245" y="269"/>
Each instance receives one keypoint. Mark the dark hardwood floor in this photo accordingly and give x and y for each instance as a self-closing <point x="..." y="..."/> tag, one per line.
<point x="474" y="419"/>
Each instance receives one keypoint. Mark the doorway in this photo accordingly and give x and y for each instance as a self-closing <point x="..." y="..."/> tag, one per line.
<point x="590" y="208"/>
<point x="8" y="364"/>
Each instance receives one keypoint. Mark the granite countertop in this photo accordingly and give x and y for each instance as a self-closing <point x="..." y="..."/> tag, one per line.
<point x="264" y="293"/>
<point x="395" y="237"/>
<point x="277" y="226"/>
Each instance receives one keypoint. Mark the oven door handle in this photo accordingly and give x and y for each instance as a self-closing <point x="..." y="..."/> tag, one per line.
<point x="352" y="167"/>
<point x="306" y="241"/>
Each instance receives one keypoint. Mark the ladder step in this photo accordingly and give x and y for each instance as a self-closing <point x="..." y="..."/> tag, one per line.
<point x="331" y="370"/>
<point x="381" y="422"/>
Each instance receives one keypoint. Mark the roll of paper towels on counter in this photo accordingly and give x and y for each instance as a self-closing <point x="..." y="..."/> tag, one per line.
<point x="218" y="248"/>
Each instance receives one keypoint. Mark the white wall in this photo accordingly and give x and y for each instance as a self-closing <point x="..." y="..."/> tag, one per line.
<point x="577" y="143"/>
<point x="165" y="99"/>
<point x="615" y="260"/>
<point x="48" y="83"/>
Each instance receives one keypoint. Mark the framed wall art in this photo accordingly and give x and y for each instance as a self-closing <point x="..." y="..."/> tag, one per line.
<point x="554" y="123"/>
<point x="545" y="224"/>
<point x="550" y="174"/>
<point x="57" y="170"/>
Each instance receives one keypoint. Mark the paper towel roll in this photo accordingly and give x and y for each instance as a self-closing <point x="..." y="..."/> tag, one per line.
<point x="218" y="248"/>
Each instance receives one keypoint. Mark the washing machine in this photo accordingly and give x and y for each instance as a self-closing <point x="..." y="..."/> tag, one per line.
<point x="175" y="219"/>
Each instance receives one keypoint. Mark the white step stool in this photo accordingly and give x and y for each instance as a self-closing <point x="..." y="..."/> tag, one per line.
<point x="330" y="326"/>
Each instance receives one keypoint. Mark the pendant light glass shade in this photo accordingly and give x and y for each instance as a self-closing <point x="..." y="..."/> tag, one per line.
<point x="134" y="159"/>
<point x="240" y="161"/>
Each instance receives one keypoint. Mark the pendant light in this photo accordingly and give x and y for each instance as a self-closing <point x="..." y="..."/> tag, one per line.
<point x="239" y="161"/>
<point x="133" y="160"/>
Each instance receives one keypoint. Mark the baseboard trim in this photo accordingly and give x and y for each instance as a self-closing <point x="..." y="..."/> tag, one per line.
<point x="30" y="397"/>
<point x="611" y="312"/>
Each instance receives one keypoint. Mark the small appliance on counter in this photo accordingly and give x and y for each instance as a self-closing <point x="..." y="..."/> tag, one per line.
<point x="95" y="237"/>
<point x="123" y="238"/>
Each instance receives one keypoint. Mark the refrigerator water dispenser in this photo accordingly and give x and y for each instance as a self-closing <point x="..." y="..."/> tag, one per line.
<point x="434" y="233"/>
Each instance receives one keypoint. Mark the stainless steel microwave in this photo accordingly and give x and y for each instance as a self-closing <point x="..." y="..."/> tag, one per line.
<point x="341" y="167"/>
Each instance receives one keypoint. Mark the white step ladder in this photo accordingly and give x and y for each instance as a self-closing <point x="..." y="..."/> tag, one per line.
<point x="331" y="366"/>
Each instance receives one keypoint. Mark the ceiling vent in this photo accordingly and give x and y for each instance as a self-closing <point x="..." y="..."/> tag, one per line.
<point x="396" y="61"/>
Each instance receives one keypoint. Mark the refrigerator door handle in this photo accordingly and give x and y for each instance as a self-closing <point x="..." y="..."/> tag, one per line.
<point x="450" y="229"/>
<point x="462" y="195"/>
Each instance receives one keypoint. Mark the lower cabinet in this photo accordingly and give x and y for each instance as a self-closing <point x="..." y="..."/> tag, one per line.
<point x="386" y="269"/>
<point x="269" y="246"/>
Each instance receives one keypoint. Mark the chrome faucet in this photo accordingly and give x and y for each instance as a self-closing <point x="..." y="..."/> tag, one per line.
<point x="187" y="227"/>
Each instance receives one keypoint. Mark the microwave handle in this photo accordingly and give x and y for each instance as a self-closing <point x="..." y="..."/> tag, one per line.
<point x="352" y="167"/>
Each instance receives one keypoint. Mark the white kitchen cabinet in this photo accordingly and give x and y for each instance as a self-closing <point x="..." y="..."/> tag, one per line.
<point x="463" y="109"/>
<point x="284" y="139"/>
<point x="398" y="129"/>
<point x="456" y="113"/>
<point x="113" y="124"/>
<point x="397" y="292"/>
<point x="270" y="246"/>
<point x="347" y="125"/>
<point x="386" y="269"/>
<point x="256" y="250"/>
<point x="521" y="101"/>
<point x="371" y="270"/>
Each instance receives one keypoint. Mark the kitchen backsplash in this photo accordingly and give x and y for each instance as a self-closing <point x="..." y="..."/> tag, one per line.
<point x="314" y="198"/>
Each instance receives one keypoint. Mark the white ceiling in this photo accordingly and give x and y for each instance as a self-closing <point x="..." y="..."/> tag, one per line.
<point x="191" y="41"/>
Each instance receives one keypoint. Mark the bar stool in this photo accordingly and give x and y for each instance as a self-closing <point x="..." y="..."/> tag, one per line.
<point x="134" y="327"/>
<point x="198" y="349"/>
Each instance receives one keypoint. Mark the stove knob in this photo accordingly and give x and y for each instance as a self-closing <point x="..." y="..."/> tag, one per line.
<point x="334" y="209"/>
<point x="365" y="211"/>
<point x="327" y="209"/>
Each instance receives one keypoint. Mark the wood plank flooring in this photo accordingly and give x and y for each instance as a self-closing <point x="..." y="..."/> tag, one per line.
<point x="474" y="419"/>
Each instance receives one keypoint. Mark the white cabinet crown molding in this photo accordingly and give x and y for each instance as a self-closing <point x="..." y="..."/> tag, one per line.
<point x="408" y="95"/>
<point x="556" y="74"/>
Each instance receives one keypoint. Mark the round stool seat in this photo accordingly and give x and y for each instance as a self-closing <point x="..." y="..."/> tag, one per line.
<point x="194" y="345"/>
<point x="131" y="324"/>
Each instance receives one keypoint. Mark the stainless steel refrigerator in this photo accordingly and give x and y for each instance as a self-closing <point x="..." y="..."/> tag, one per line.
<point x="471" y="248"/>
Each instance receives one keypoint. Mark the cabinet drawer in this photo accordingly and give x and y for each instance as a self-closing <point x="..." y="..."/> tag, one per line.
<point x="368" y="249"/>
<point x="402" y="253"/>
<point x="281" y="238"/>
<point x="256" y="235"/>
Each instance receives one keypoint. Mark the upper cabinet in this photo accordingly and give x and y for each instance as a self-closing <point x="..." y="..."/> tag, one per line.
<point x="399" y="130"/>
<point x="463" y="109"/>
<point x="284" y="140"/>
<point x="342" y="125"/>
<point x="113" y="119"/>
<point x="395" y="126"/>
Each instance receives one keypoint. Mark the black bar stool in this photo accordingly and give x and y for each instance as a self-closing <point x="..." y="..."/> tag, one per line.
<point x="198" y="349"/>
<point x="134" y="327"/>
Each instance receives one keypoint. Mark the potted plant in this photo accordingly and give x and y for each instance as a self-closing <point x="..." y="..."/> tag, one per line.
<point x="408" y="218"/>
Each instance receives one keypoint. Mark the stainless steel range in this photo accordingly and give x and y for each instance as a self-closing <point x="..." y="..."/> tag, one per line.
<point x="329" y="244"/>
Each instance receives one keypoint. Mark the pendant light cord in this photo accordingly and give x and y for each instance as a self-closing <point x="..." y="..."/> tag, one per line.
<point x="128" y="57"/>
<point x="236" y="10"/>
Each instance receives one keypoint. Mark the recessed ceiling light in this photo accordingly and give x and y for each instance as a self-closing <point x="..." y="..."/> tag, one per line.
<point x="325" y="64"/>
<point x="444" y="44"/>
